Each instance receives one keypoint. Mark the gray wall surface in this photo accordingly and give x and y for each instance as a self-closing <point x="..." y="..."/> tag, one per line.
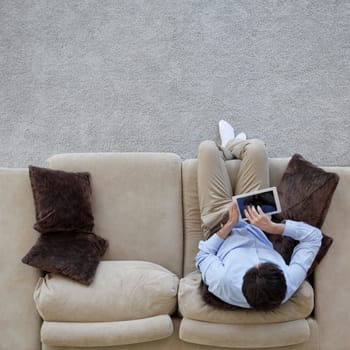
<point x="158" y="75"/>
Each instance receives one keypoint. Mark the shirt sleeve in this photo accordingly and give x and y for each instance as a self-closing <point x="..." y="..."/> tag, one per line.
<point x="304" y="253"/>
<point x="208" y="263"/>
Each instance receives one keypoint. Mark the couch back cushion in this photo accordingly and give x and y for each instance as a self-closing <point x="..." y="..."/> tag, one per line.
<point x="192" y="223"/>
<point x="136" y="202"/>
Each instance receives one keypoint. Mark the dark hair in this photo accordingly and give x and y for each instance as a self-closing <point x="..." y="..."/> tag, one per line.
<point x="264" y="286"/>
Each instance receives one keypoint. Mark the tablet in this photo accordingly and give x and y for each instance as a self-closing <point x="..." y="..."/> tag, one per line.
<point x="266" y="198"/>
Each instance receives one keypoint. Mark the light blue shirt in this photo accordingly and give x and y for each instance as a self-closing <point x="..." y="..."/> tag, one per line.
<point x="224" y="262"/>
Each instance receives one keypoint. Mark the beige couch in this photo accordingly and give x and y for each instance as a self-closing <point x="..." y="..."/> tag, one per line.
<point x="145" y="294"/>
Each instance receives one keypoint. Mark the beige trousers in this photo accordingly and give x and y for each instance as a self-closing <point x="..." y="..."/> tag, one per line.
<point x="214" y="185"/>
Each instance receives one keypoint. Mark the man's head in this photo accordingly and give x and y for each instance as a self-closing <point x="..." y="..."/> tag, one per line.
<point x="264" y="286"/>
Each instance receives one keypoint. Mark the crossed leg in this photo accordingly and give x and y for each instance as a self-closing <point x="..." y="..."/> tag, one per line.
<point x="214" y="185"/>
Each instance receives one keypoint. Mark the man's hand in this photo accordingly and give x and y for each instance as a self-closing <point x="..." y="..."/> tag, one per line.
<point x="232" y="221"/>
<point x="259" y="219"/>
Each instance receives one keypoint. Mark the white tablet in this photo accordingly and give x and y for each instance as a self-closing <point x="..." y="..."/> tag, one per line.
<point x="266" y="198"/>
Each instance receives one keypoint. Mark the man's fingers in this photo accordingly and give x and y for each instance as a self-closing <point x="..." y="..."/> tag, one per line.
<point x="260" y="211"/>
<point x="249" y="212"/>
<point x="252" y="210"/>
<point x="233" y="209"/>
<point x="252" y="213"/>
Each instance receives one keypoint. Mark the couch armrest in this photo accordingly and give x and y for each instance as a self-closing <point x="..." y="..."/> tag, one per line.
<point x="19" y="321"/>
<point x="332" y="276"/>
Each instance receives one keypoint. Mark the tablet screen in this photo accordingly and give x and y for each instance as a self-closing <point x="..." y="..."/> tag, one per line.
<point x="266" y="200"/>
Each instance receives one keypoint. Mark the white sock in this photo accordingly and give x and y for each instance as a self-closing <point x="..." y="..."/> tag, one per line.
<point x="227" y="133"/>
<point x="241" y="136"/>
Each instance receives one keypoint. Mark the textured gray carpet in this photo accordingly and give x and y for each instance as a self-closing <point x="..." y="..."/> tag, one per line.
<point x="95" y="76"/>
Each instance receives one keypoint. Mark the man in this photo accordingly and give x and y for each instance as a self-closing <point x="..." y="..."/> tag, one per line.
<point x="238" y="262"/>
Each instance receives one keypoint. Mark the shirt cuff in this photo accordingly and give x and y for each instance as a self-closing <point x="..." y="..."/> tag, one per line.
<point x="291" y="229"/>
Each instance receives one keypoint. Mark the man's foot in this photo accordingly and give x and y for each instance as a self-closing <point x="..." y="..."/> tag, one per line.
<point x="227" y="133"/>
<point x="241" y="136"/>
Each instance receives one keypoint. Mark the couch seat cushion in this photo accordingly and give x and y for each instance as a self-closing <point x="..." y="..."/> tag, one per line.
<point x="193" y="306"/>
<point x="278" y="336"/>
<point x="106" y="334"/>
<point x="121" y="291"/>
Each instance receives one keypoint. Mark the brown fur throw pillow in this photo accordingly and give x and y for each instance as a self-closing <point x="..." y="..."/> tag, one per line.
<point x="305" y="193"/>
<point x="75" y="255"/>
<point x="62" y="200"/>
<point x="67" y="243"/>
